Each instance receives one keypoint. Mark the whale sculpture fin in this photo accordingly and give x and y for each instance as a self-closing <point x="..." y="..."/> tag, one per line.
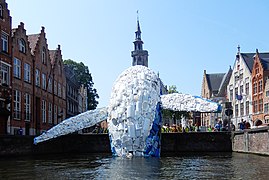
<point x="187" y="102"/>
<point x="73" y="124"/>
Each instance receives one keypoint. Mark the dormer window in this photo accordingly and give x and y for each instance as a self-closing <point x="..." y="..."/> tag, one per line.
<point x="44" y="55"/>
<point x="1" y="11"/>
<point x="22" y="46"/>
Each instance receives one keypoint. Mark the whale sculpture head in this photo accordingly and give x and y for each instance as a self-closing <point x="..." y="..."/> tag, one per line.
<point x="132" y="110"/>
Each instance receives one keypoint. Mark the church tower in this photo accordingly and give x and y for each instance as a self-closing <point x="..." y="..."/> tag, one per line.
<point x="140" y="56"/>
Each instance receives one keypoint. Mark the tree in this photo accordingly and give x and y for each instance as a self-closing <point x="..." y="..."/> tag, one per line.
<point x="172" y="89"/>
<point x="84" y="77"/>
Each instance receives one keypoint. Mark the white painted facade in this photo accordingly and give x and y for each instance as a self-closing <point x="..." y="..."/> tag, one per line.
<point x="240" y="83"/>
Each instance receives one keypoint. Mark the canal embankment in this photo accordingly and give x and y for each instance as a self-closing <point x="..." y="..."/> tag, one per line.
<point x="251" y="141"/>
<point x="247" y="141"/>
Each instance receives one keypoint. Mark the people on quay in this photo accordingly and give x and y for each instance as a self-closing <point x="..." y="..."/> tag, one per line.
<point x="232" y="126"/>
<point x="218" y="126"/>
<point x="242" y="125"/>
<point x="209" y="129"/>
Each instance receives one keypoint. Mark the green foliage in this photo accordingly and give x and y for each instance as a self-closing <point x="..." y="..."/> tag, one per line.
<point x="172" y="89"/>
<point x="84" y="77"/>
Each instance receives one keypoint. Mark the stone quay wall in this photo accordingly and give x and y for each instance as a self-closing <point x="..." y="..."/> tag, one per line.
<point x="251" y="141"/>
<point x="171" y="143"/>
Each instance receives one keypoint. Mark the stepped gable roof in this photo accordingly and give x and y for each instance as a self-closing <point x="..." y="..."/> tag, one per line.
<point x="264" y="58"/>
<point x="52" y="55"/>
<point x="33" y="38"/>
<point x="214" y="80"/>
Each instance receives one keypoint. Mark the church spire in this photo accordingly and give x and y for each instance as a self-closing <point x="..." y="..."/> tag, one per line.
<point x="140" y="56"/>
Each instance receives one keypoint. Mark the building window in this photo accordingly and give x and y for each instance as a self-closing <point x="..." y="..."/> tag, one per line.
<point x="59" y="90"/>
<point x="255" y="106"/>
<point x="257" y="70"/>
<point x="37" y="77"/>
<point x="260" y="86"/>
<point x="55" y="114"/>
<point x="55" y="87"/>
<point x="260" y="105"/>
<point x="27" y="72"/>
<point x="247" y="88"/>
<point x="44" y="55"/>
<point x="17" y="104"/>
<point x="17" y="68"/>
<point x="50" y="113"/>
<point x="241" y="109"/>
<point x="43" y="108"/>
<point x="236" y="110"/>
<point x="4" y="73"/>
<point x="50" y="85"/>
<point x="44" y="81"/>
<point x="63" y="92"/>
<point x="59" y="115"/>
<point x="4" y="38"/>
<point x="266" y="108"/>
<point x="27" y="106"/>
<point x="236" y="91"/>
<point x="1" y="11"/>
<point x="247" y="108"/>
<point x="231" y="95"/>
<point x="255" y="88"/>
<point x="22" y="46"/>
<point x="267" y="93"/>
<point x="241" y="89"/>
<point x="63" y="113"/>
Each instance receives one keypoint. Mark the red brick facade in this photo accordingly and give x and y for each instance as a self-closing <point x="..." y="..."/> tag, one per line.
<point x="5" y="66"/>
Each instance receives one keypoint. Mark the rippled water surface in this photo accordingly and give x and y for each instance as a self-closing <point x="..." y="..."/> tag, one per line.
<point x="98" y="166"/>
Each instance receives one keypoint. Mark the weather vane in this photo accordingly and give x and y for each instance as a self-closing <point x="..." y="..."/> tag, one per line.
<point x="137" y="15"/>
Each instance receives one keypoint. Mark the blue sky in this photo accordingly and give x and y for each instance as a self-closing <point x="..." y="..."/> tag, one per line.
<point x="183" y="38"/>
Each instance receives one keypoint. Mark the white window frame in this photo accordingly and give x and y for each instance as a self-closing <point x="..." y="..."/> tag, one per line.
<point x="55" y="114"/>
<point x="22" y="46"/>
<point x="4" y="41"/>
<point x="43" y="109"/>
<point x="44" y="83"/>
<point x="1" y="11"/>
<point x="37" y="77"/>
<point x="50" y="85"/>
<point x="59" y="90"/>
<point x="4" y="73"/>
<point x="55" y="87"/>
<point x="50" y="113"/>
<point x="27" y="106"/>
<point x="17" y="104"/>
<point x="27" y="72"/>
<point x="17" y="68"/>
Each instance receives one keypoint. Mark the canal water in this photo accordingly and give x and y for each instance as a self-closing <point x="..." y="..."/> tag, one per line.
<point x="99" y="166"/>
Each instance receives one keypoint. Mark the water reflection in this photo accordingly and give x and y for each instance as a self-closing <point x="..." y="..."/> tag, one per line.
<point x="98" y="166"/>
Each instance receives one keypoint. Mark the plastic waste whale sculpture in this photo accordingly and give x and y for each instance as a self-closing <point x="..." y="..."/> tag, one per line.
<point x="134" y="113"/>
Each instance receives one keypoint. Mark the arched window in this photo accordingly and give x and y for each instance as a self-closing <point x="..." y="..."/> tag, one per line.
<point x="22" y="46"/>
<point x="44" y="55"/>
<point x="1" y="11"/>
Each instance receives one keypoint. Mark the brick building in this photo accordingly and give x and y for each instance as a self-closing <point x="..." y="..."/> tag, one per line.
<point x="22" y="80"/>
<point x="260" y="74"/>
<point x="5" y="66"/>
<point x="57" y="85"/>
<point x="72" y="92"/>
